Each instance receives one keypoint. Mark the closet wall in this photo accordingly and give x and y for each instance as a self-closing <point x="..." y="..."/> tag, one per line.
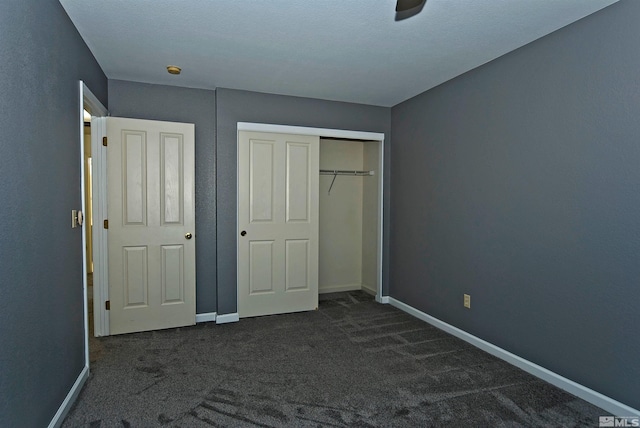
<point x="348" y="241"/>
<point x="370" y="216"/>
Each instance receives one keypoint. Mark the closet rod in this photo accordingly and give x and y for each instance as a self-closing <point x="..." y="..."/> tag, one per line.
<point x="337" y="172"/>
<point x="344" y="172"/>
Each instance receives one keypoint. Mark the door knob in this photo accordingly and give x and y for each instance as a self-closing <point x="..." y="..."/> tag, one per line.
<point x="188" y="235"/>
<point x="244" y="232"/>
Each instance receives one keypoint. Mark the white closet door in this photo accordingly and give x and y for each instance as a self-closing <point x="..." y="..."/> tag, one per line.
<point x="277" y="223"/>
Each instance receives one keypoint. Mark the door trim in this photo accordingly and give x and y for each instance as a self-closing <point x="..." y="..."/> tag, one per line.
<point x="85" y="98"/>
<point x="321" y="132"/>
<point x="303" y="130"/>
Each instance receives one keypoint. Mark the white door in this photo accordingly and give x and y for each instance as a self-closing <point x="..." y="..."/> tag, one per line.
<point x="150" y="186"/>
<point x="277" y="223"/>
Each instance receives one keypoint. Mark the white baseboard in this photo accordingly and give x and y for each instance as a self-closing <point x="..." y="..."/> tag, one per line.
<point x="206" y="317"/>
<point x="367" y="289"/>
<point x="70" y="399"/>
<point x="383" y="299"/>
<point x="226" y="318"/>
<point x="615" y="408"/>
<point x="338" y="288"/>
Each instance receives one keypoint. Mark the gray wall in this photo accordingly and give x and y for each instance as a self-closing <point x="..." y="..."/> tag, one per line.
<point x="41" y="308"/>
<point x="241" y="106"/>
<point x="168" y="103"/>
<point x="519" y="183"/>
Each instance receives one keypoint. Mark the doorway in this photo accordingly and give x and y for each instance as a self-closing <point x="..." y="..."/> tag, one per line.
<point x="91" y="115"/>
<point x="363" y="269"/>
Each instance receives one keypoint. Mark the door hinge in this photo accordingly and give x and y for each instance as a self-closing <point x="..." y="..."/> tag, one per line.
<point x="107" y="305"/>
<point x="104" y="141"/>
<point x="106" y="224"/>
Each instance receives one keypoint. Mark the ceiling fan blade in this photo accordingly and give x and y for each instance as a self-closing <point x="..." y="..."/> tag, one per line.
<point x="403" y="5"/>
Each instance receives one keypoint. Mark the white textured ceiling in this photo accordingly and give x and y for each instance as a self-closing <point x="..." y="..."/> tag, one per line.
<point x="345" y="50"/>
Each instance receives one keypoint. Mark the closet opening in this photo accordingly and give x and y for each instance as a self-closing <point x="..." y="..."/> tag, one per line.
<point x="349" y="204"/>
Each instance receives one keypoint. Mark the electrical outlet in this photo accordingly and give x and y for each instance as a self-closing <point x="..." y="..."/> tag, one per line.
<point x="467" y="301"/>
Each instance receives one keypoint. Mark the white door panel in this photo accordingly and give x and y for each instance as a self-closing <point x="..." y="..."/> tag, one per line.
<point x="298" y="175"/>
<point x="297" y="264"/>
<point x="278" y="210"/>
<point x="150" y="168"/>
<point x="261" y="265"/>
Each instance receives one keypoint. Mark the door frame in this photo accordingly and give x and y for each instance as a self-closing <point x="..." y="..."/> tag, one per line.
<point x="98" y="112"/>
<point x="320" y="132"/>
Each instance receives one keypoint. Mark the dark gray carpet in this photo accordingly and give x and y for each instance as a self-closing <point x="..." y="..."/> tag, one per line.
<point x="352" y="363"/>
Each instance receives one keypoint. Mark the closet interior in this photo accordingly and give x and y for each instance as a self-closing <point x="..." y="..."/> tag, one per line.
<point x="350" y="216"/>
